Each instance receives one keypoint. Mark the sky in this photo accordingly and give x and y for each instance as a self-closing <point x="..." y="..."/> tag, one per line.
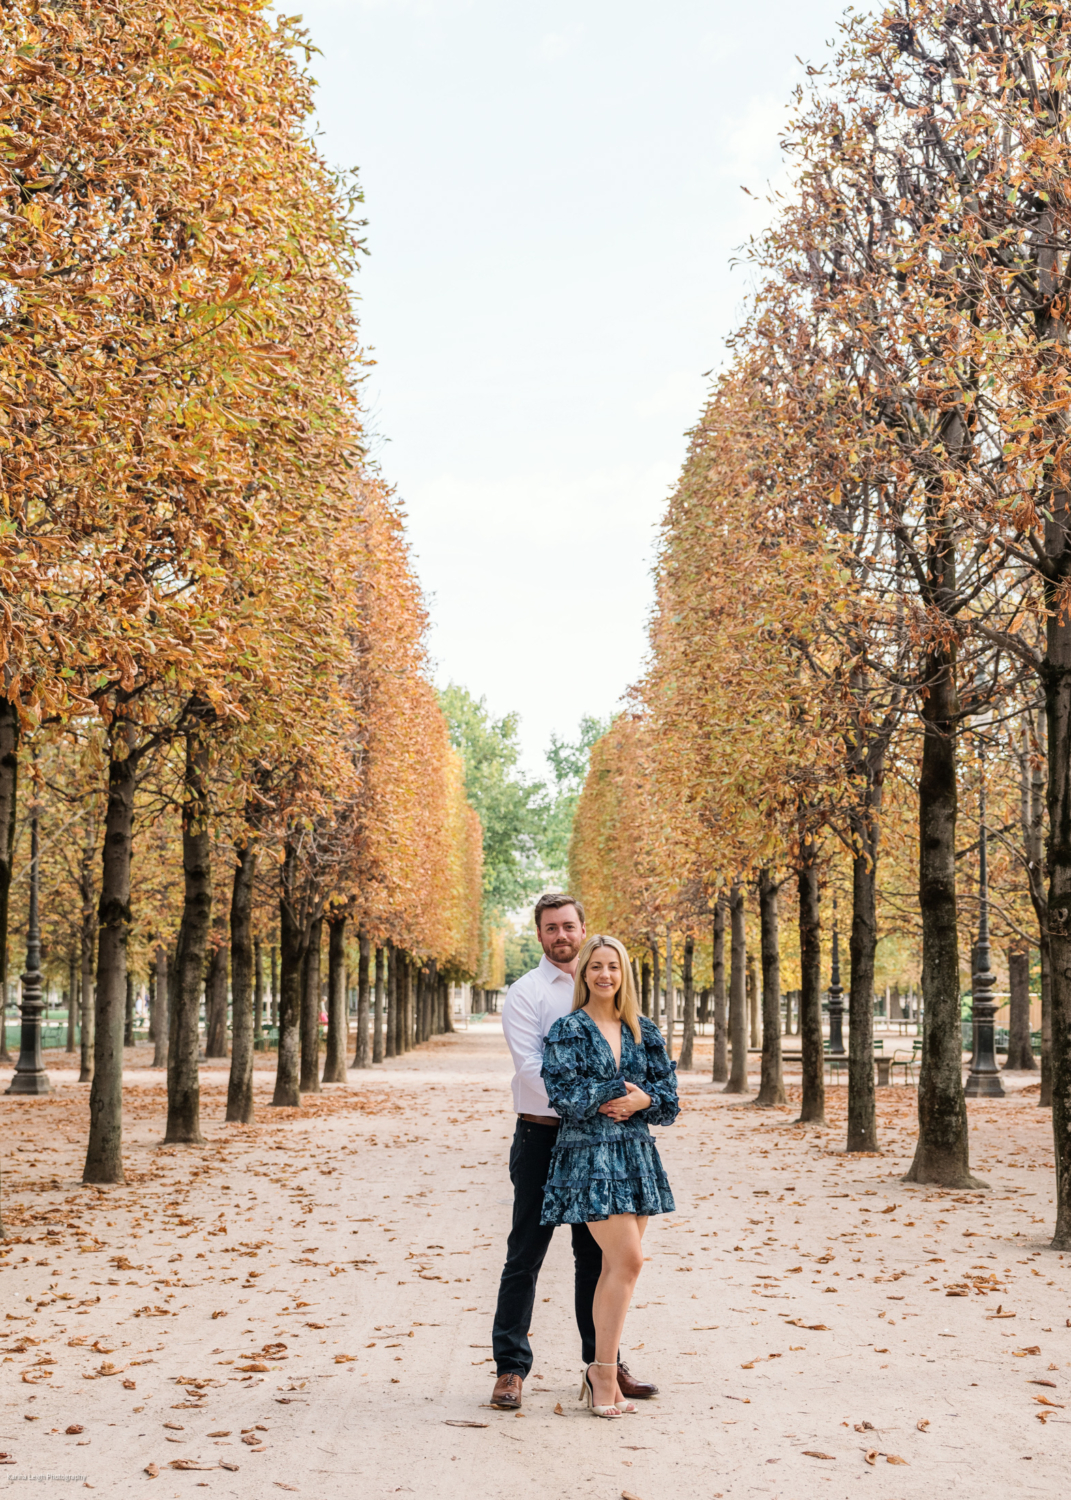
<point x="554" y="201"/>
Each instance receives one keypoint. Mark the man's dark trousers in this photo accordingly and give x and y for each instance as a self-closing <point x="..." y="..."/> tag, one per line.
<point x="529" y="1240"/>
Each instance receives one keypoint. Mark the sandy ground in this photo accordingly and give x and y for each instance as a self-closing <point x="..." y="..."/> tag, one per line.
<point x="305" y="1305"/>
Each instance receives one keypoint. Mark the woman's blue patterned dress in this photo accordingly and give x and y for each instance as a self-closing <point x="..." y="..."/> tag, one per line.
<point x="601" y="1167"/>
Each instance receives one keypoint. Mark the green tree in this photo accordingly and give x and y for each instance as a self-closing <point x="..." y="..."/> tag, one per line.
<point x="512" y="809"/>
<point x="523" y="951"/>
<point x="568" y="760"/>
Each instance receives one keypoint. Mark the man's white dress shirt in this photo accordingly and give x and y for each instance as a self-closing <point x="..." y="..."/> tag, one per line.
<point x="533" y="1004"/>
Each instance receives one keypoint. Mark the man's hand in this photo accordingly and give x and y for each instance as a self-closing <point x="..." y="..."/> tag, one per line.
<point x="620" y="1109"/>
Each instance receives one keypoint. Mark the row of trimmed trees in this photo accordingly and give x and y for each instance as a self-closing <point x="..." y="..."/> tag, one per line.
<point x="215" y="687"/>
<point x="863" y="625"/>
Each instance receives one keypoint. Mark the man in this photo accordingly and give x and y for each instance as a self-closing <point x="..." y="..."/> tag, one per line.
<point x="532" y="1006"/>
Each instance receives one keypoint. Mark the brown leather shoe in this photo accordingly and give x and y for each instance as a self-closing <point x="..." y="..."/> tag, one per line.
<point x="633" y="1389"/>
<point x="506" y="1395"/>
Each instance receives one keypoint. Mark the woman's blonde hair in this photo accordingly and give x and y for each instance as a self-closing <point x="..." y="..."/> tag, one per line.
<point x="625" y="1002"/>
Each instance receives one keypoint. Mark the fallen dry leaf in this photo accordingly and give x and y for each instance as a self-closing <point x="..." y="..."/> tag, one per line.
<point x="344" y="1359"/>
<point x="226" y="1432"/>
<point x="73" y="1428"/>
<point x="814" y="1453"/>
<point x="558" y="1410"/>
<point x="628" y="1495"/>
<point x="152" y="1471"/>
<point x="258" y="1367"/>
<point x="1044" y="1401"/>
<point x="864" y="1427"/>
<point x="1036" y="1381"/>
<point x="220" y="1314"/>
<point x="226" y="1464"/>
<point x="130" y="1385"/>
<point x="871" y="1458"/>
<point x="922" y="1424"/>
<point x="188" y="1463"/>
<point x="463" y="1422"/>
<point x="894" y="1458"/>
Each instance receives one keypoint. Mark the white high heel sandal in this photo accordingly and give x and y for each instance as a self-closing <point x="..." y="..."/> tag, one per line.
<point x="588" y="1395"/>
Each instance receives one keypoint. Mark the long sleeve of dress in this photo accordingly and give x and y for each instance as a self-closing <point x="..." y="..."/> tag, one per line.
<point x="661" y="1081"/>
<point x="571" y="1089"/>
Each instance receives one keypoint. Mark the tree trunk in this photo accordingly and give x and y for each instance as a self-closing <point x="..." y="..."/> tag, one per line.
<point x="684" y="1062"/>
<point x="161" y="1015"/>
<point x="737" y="993"/>
<point x="377" y="1020"/>
<point x="9" y="788"/>
<point x="337" y="1025"/>
<point x="752" y="990"/>
<point x="293" y="941"/>
<point x="240" y="1082"/>
<point x="448" y="1018"/>
<point x="274" y="985"/>
<point x="771" y="1086"/>
<point x="128" y="1013"/>
<point x="405" y="981"/>
<point x="720" y="1073"/>
<point x="1045" y="1092"/>
<point x="392" y="1000"/>
<point x="942" y="1151"/>
<point x="1033" y="810"/>
<point x="656" y="979"/>
<point x="813" y="1105"/>
<point x="671" y="993"/>
<point x="216" y="993"/>
<point x="258" y="991"/>
<point x="311" y="1001"/>
<point x="1020" y="1056"/>
<point x="1056" y="1026"/>
<point x="862" y="1116"/>
<point x="361" y="1057"/>
<point x="184" y="981"/>
<point x="72" y="1000"/>
<point x="104" y="1151"/>
<point x="88" y="943"/>
<point x="399" y="961"/>
<point x="645" y="987"/>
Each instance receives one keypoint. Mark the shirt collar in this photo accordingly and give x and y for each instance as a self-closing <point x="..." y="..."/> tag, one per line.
<point x="552" y="974"/>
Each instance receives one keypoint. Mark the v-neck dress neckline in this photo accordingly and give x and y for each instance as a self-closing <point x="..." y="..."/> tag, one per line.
<point x="617" y="1061"/>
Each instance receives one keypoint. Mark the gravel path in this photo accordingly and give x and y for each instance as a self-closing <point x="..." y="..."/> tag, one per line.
<point x="304" y="1305"/>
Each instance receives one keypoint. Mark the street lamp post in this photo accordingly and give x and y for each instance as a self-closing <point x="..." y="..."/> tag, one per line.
<point x="983" y="1080"/>
<point x="30" y="1076"/>
<point x="836" y="996"/>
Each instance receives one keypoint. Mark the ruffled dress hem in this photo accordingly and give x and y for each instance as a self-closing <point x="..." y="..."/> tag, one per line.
<point x="590" y="1181"/>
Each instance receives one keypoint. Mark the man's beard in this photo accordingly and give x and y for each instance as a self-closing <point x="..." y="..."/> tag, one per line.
<point x="564" y="949"/>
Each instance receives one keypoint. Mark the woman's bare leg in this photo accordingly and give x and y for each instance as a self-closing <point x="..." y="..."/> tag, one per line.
<point x="620" y="1238"/>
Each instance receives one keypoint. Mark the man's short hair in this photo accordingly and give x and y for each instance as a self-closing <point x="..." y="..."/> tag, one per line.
<point x="552" y="901"/>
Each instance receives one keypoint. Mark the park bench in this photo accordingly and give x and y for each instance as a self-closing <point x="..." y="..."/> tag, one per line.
<point x="839" y="1064"/>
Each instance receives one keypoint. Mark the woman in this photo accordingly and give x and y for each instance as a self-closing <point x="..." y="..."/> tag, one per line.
<point x="608" y="1077"/>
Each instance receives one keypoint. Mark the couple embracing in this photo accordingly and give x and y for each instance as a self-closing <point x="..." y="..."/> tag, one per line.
<point x="591" y="1074"/>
